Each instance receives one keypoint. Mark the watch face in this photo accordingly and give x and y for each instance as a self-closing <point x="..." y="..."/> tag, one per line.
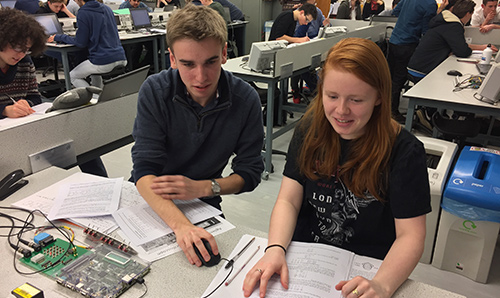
<point x="215" y="188"/>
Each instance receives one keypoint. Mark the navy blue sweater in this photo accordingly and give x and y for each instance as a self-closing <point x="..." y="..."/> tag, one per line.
<point x="172" y="138"/>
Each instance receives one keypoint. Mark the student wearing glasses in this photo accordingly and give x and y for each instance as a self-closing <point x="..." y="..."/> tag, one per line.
<point x="284" y="25"/>
<point x="19" y="34"/>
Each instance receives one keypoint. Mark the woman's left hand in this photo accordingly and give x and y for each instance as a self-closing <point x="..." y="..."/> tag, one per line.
<point x="360" y="286"/>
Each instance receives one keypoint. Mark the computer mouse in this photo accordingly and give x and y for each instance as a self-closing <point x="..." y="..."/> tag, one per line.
<point x="454" y="73"/>
<point x="214" y="259"/>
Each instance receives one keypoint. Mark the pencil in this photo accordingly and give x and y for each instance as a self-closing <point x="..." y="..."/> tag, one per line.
<point x="243" y="266"/>
<point x="13" y="100"/>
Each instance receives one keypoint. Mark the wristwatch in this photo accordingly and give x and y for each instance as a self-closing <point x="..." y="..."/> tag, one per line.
<point x="215" y="187"/>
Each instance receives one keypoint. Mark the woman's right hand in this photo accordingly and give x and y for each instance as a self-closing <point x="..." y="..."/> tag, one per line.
<point x="272" y="262"/>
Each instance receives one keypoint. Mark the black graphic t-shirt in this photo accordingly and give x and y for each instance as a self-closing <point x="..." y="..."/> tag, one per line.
<point x="332" y="214"/>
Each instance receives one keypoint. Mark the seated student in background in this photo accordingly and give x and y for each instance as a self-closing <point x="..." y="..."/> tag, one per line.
<point x="370" y="171"/>
<point x="28" y="6"/>
<point x="284" y="25"/>
<point x="55" y="6"/>
<point x="284" y="29"/>
<point x="190" y="120"/>
<point x="217" y="7"/>
<point x="97" y="31"/>
<point x="349" y="10"/>
<point x="310" y="30"/>
<point x="372" y="7"/>
<point x="388" y="12"/>
<point x="19" y="35"/>
<point x="163" y="3"/>
<point x="234" y="11"/>
<point x="134" y="4"/>
<point x="487" y="16"/>
<point x="444" y="37"/>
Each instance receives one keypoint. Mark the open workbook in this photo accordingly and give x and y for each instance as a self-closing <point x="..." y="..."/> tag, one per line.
<point x="314" y="270"/>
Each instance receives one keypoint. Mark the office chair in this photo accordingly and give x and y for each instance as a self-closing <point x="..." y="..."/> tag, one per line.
<point x="116" y="71"/>
<point x="456" y="130"/>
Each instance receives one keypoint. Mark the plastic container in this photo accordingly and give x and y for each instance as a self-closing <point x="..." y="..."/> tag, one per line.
<point x="487" y="53"/>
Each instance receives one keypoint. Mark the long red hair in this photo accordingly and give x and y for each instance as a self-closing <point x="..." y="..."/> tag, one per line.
<point x="366" y="166"/>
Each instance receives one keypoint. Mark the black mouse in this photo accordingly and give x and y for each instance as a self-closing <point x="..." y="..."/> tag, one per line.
<point x="454" y="73"/>
<point x="214" y="259"/>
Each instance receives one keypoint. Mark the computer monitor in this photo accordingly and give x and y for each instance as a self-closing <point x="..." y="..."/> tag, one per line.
<point x="140" y="18"/>
<point x="117" y="20"/>
<point x="262" y="54"/>
<point x="169" y="7"/>
<point x="490" y="89"/>
<point x="50" y="22"/>
<point x="8" y="3"/>
<point x="497" y="58"/>
<point x="333" y="31"/>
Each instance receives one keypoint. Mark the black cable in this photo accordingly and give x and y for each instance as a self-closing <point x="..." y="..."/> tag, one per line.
<point x="52" y="225"/>
<point x="223" y="281"/>
<point x="142" y="282"/>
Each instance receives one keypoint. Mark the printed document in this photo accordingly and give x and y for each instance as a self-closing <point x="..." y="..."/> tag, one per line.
<point x="141" y="224"/>
<point x="86" y="199"/>
<point x="314" y="270"/>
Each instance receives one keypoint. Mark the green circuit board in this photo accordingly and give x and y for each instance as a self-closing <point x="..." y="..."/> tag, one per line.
<point x="53" y="253"/>
<point x="103" y="271"/>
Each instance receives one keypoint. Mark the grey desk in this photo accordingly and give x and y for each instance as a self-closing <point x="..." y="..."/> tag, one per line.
<point x="170" y="277"/>
<point x="241" y="70"/>
<point x="126" y="38"/>
<point x="436" y="90"/>
<point x="94" y="129"/>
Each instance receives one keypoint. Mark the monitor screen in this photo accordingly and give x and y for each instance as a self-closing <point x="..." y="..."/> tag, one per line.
<point x="8" y="3"/>
<point x="117" y="20"/>
<point x="262" y="54"/>
<point x="50" y="22"/>
<point x="140" y="18"/>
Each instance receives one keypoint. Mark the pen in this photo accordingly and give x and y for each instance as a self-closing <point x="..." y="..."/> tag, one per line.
<point x="13" y="100"/>
<point x="241" y="268"/>
<point x="239" y="254"/>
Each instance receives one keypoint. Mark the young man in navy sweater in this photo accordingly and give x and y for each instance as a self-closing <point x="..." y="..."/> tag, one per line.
<point x="190" y="120"/>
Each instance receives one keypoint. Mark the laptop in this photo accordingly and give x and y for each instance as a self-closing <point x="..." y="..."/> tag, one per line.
<point x="8" y="3"/>
<point x="140" y="18"/>
<point x="50" y="22"/>
<point x="122" y="85"/>
<point x="168" y="8"/>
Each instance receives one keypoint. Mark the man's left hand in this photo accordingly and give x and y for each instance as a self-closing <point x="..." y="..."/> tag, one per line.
<point x="178" y="187"/>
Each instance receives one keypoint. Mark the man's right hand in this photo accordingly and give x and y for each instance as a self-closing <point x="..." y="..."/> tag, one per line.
<point x="190" y="235"/>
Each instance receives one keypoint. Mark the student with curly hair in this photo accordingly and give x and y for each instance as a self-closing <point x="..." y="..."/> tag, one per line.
<point x="19" y="35"/>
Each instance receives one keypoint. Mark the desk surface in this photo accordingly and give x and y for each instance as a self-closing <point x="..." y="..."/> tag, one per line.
<point x="240" y="68"/>
<point x="437" y="85"/>
<point x="172" y="276"/>
<point x="89" y="127"/>
<point x="436" y="90"/>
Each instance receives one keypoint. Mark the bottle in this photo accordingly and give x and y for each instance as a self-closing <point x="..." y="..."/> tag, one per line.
<point x="486" y="57"/>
